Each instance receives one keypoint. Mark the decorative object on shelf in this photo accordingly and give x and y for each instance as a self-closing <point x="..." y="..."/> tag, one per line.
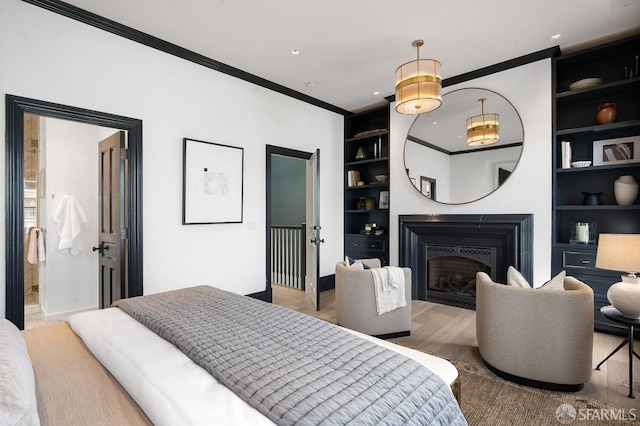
<point x="621" y="252"/>
<point x="418" y="85"/>
<point x="381" y="178"/>
<point x="360" y="155"/>
<point x="580" y="164"/>
<point x="483" y="129"/>
<point x="377" y="148"/>
<point x="630" y="73"/>
<point x="361" y="203"/>
<point x="585" y="83"/>
<point x="383" y="202"/>
<point x="369" y="132"/>
<point x="591" y="198"/>
<point x="625" y="190"/>
<point x="607" y="113"/>
<point x="370" y="203"/>
<point x="616" y="151"/>
<point x="566" y="154"/>
<point x="583" y="233"/>
<point x="353" y="177"/>
<point x="360" y="183"/>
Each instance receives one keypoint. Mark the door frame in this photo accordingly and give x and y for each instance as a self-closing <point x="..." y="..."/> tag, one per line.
<point x="16" y="107"/>
<point x="285" y="152"/>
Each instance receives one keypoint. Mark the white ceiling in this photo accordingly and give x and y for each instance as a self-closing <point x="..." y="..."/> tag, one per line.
<point x="350" y="49"/>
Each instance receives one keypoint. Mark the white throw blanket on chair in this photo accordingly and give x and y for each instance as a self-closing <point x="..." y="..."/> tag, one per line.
<point x="389" y="288"/>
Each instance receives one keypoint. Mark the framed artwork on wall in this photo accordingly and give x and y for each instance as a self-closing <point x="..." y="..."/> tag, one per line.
<point x="616" y="151"/>
<point x="428" y="187"/>
<point x="212" y="185"/>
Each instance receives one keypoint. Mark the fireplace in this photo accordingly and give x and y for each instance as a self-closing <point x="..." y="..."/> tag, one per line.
<point x="444" y="253"/>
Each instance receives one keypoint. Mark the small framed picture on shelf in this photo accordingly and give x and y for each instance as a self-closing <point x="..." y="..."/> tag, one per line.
<point x="383" y="202"/>
<point x="616" y="151"/>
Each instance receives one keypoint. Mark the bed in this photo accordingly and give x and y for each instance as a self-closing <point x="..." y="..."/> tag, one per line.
<point x="160" y="384"/>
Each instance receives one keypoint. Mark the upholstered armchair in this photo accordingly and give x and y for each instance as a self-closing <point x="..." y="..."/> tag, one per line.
<point x="356" y="303"/>
<point x="534" y="336"/>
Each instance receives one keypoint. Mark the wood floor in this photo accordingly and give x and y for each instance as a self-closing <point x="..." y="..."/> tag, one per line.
<point x="451" y="332"/>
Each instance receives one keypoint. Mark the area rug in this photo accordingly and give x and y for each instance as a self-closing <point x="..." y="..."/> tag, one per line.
<point x="489" y="400"/>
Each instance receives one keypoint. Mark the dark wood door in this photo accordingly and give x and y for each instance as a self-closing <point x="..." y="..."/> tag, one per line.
<point x="112" y="227"/>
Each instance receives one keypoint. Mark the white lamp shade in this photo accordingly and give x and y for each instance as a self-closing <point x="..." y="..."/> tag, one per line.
<point x="619" y="252"/>
<point x="418" y="86"/>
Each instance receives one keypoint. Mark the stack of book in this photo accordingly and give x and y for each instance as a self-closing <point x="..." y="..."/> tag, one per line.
<point x="566" y="154"/>
<point x="353" y="177"/>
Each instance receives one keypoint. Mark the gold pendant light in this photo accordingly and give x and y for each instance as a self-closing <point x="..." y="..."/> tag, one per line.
<point x="418" y="85"/>
<point x="483" y="129"/>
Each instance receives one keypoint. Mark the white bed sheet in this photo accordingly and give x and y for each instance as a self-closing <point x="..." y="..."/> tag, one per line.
<point x="169" y="387"/>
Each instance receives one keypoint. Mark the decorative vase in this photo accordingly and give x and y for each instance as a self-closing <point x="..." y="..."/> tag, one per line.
<point x="625" y="190"/>
<point x="625" y="296"/>
<point x="361" y="203"/>
<point x="591" y="198"/>
<point x="370" y="203"/>
<point x="607" y="113"/>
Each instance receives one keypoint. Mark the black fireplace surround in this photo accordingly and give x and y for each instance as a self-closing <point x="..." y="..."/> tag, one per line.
<point x="510" y="236"/>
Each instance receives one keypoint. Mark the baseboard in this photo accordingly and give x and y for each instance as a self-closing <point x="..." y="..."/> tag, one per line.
<point x="61" y="316"/>
<point x="261" y="295"/>
<point x="393" y="335"/>
<point x="31" y="309"/>
<point x="534" y="383"/>
<point x="327" y="283"/>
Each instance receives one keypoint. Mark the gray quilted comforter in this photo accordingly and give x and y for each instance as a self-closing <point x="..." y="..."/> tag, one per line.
<point x="294" y="368"/>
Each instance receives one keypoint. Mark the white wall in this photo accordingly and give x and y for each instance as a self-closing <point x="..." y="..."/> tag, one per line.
<point x="476" y="174"/>
<point x="528" y="189"/>
<point x="423" y="161"/>
<point x="49" y="57"/>
<point x="70" y="283"/>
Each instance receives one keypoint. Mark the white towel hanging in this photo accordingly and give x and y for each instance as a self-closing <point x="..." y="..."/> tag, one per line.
<point x="69" y="219"/>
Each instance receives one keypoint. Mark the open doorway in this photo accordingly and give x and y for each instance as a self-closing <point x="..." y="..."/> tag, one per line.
<point x="62" y="216"/>
<point x="293" y="231"/>
<point x="16" y="108"/>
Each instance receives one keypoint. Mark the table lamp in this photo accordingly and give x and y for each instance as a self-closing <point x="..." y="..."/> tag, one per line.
<point x="621" y="252"/>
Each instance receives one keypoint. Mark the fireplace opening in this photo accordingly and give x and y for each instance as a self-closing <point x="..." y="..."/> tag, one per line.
<point x="451" y="272"/>
<point x="445" y="252"/>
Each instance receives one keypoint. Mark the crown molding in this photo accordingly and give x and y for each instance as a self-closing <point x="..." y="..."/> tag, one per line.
<point x="132" y="34"/>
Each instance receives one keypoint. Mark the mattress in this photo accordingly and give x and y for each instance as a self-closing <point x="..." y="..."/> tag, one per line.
<point x="168" y="386"/>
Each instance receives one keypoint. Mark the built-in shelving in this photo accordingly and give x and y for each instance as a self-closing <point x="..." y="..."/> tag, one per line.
<point x="366" y="150"/>
<point x="575" y="122"/>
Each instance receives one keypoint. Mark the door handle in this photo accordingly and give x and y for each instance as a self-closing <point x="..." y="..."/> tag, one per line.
<point x="101" y="248"/>
<point x="316" y="241"/>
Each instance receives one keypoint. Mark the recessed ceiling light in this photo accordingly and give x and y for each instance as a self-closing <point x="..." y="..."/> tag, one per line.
<point x="295" y="52"/>
<point x="311" y="84"/>
<point x="435" y="122"/>
<point x="376" y="93"/>
<point x="556" y="36"/>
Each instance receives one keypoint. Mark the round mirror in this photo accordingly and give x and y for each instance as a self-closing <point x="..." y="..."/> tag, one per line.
<point x="439" y="162"/>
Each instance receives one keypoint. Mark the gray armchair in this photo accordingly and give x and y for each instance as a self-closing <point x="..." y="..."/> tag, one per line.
<point x="356" y="303"/>
<point x="537" y="337"/>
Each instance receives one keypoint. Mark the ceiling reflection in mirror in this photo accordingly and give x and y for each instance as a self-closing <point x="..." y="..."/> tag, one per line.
<point x="441" y="165"/>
